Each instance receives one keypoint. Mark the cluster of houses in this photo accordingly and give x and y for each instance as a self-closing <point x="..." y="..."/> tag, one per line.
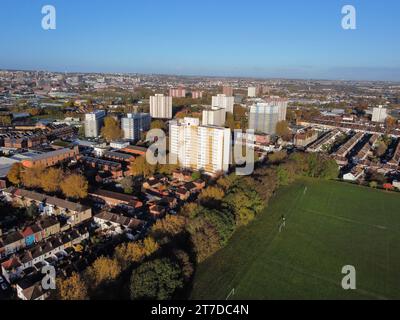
<point x="60" y="228"/>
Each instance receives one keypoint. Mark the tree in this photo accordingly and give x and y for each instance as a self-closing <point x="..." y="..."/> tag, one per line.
<point x="102" y="270"/>
<point x="282" y="130"/>
<point x="190" y="210"/>
<point x="52" y="179"/>
<point x="170" y="226"/>
<point x="156" y="280"/>
<point x="158" y="124"/>
<point x="140" y="167"/>
<point x="244" y="202"/>
<point x="5" y="120"/>
<point x="204" y="237"/>
<point x="230" y="121"/>
<point x="72" y="288"/>
<point x="111" y="130"/>
<point x="15" y="173"/>
<point x="277" y="157"/>
<point x="32" y="177"/>
<point x="196" y="175"/>
<point x="167" y="169"/>
<point x="133" y="252"/>
<point x="185" y="264"/>
<point x="373" y="184"/>
<point x="381" y="149"/>
<point x="127" y="183"/>
<point x="211" y="193"/>
<point x="390" y="123"/>
<point x="75" y="186"/>
<point x="32" y="211"/>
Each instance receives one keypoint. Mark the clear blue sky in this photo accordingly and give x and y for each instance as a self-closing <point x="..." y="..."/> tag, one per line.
<point x="262" y="38"/>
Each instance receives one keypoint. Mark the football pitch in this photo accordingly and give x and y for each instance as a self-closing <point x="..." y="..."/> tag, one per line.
<point x="328" y="225"/>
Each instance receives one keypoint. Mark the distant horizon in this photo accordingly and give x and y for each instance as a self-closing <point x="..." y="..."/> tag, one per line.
<point x="198" y="75"/>
<point x="289" y="39"/>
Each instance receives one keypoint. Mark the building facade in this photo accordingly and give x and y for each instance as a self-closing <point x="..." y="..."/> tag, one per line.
<point x="214" y="117"/>
<point x="252" y="92"/>
<point x="227" y="90"/>
<point x="202" y="148"/>
<point x="196" y="94"/>
<point x="161" y="107"/>
<point x="379" y="114"/>
<point x="223" y="101"/>
<point x="134" y="124"/>
<point x="177" y="92"/>
<point x="265" y="116"/>
<point x="93" y="123"/>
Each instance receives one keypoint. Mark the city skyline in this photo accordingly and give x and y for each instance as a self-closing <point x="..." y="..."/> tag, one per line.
<point x="224" y="39"/>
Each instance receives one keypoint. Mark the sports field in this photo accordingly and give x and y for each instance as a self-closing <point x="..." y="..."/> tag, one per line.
<point x="328" y="225"/>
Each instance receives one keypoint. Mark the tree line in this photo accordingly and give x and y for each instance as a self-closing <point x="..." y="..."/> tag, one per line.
<point x="162" y="265"/>
<point x="51" y="180"/>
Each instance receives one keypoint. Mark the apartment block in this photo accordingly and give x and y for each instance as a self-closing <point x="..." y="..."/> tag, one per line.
<point x="93" y="123"/>
<point x="177" y="92"/>
<point x="379" y="114"/>
<point x="265" y="116"/>
<point x="201" y="148"/>
<point x="227" y="90"/>
<point x="252" y="92"/>
<point x="197" y="94"/>
<point x="134" y="124"/>
<point x="161" y="107"/>
<point x="214" y="117"/>
<point x="223" y="101"/>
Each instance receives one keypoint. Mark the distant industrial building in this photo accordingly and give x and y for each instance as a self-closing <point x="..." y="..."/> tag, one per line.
<point x="93" y="123"/>
<point x="161" y="107"/>
<point x="134" y="124"/>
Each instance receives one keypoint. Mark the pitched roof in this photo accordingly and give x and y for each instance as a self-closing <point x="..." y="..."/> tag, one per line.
<point x="12" y="237"/>
<point x="40" y="197"/>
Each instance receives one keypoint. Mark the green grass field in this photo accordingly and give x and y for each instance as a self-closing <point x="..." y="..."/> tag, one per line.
<point x="329" y="225"/>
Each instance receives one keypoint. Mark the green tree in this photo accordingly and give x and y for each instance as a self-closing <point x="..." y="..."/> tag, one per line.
<point x="127" y="184"/>
<point x="32" y="211"/>
<point x="373" y="184"/>
<point x="277" y="157"/>
<point x="156" y="280"/>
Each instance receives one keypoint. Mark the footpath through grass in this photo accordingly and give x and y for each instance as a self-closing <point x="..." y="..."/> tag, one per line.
<point x="328" y="225"/>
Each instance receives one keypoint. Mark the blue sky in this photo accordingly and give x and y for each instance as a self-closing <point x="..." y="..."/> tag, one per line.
<point x="260" y="38"/>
